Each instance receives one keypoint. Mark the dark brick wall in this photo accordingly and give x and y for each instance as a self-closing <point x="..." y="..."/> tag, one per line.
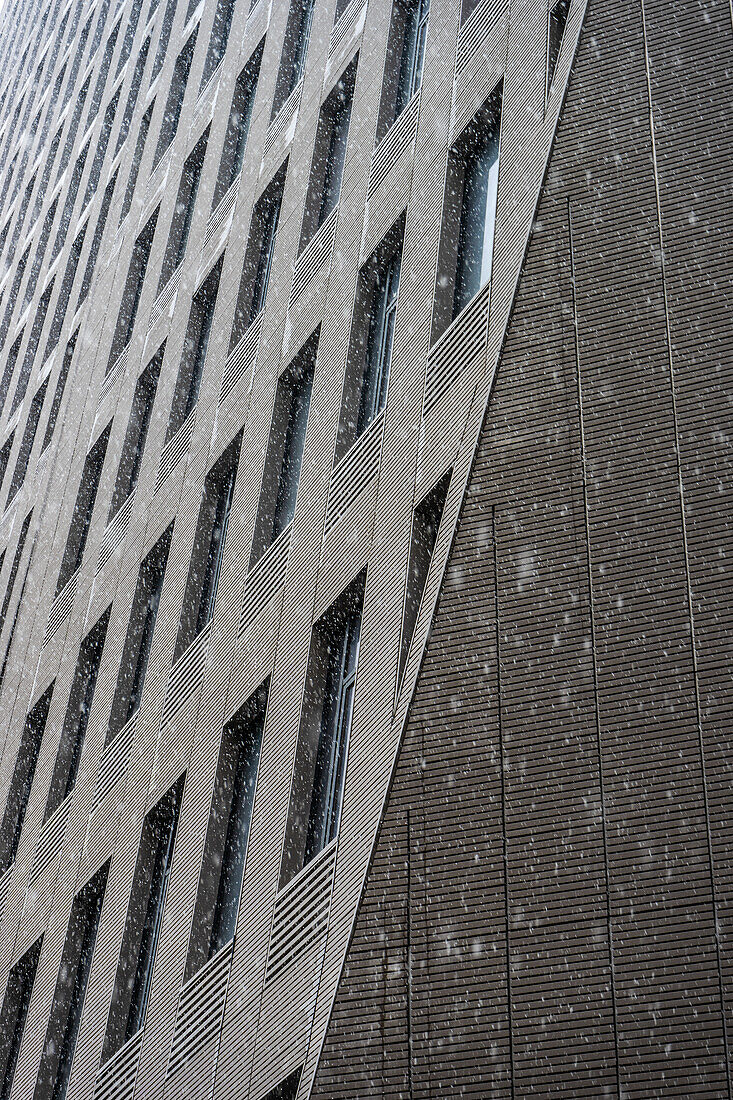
<point x="548" y="907"/>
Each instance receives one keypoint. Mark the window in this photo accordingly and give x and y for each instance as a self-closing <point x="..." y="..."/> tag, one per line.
<point x="59" y="391"/>
<point x="136" y="161"/>
<point x="101" y="151"/>
<point x="288" y="1088"/>
<point x="405" y="59"/>
<point x="165" y="34"/>
<point x="10" y="365"/>
<point x="195" y="345"/>
<point x="329" y="155"/>
<point x="32" y="347"/>
<point x="96" y="240"/>
<point x="240" y="116"/>
<point x="372" y="336"/>
<point x="14" y="1014"/>
<point x="132" y="95"/>
<point x="22" y="780"/>
<point x="208" y="548"/>
<point x="425" y="523"/>
<point x="71" y="986"/>
<point x="104" y="69"/>
<point x="258" y="257"/>
<point x="469" y="215"/>
<point x="62" y="302"/>
<point x="73" y="127"/>
<point x="129" y="36"/>
<point x="176" y="94"/>
<point x="5" y="451"/>
<point x="220" y="29"/>
<point x="139" y="640"/>
<point x="83" y="510"/>
<point x="295" y="49"/>
<point x="217" y="902"/>
<point x="183" y="211"/>
<point x="557" y="21"/>
<point x="26" y="446"/>
<point x="143" y="923"/>
<point x="132" y="292"/>
<point x="13" y="295"/>
<point x="76" y="719"/>
<point x="32" y="285"/>
<point x="325" y="723"/>
<point x="15" y="567"/>
<point x="285" y="450"/>
<point x="133" y="447"/>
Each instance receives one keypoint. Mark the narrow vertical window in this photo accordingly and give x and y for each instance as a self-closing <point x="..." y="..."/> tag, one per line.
<point x="59" y="391"/>
<point x="176" y="95"/>
<point x="81" y="520"/>
<point x="76" y="719"/>
<point x="64" y="298"/>
<point x="329" y="156"/>
<point x="405" y="59"/>
<point x="325" y="724"/>
<point x="136" y="435"/>
<point x="86" y="281"/>
<point x="240" y="116"/>
<point x="258" y="257"/>
<point x="285" y="448"/>
<point x="137" y="157"/>
<point x="295" y="50"/>
<point x="557" y="21"/>
<point x="133" y="291"/>
<point x="370" y="355"/>
<point x="71" y="986"/>
<point x="31" y="348"/>
<point x="132" y="95"/>
<point x="183" y="211"/>
<point x="469" y="214"/>
<point x="15" y="567"/>
<point x="190" y="372"/>
<point x="220" y="30"/>
<point x="425" y="523"/>
<point x="208" y="548"/>
<point x="140" y="632"/>
<point x="14" y="1015"/>
<point x="26" y="446"/>
<point x="99" y="154"/>
<point x="220" y="885"/>
<point x="144" y="922"/>
<point x="5" y="456"/>
<point x="22" y="779"/>
<point x="165" y="33"/>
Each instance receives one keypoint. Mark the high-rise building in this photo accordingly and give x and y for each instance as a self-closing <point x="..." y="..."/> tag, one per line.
<point x="366" y="475"/>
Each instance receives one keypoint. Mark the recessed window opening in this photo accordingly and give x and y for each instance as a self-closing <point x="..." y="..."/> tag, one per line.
<point x="22" y="779"/>
<point x="71" y="986"/>
<point x="220" y="885"/>
<point x="405" y="59"/>
<point x="208" y="548"/>
<point x="16" y="1003"/>
<point x="133" y="447"/>
<point x="191" y="369"/>
<point x="144" y="922"/>
<point x="174" y="103"/>
<point x="557" y="21"/>
<point x="133" y="291"/>
<point x="240" y="117"/>
<point x="97" y="240"/>
<point x="288" y="1088"/>
<point x="319" y="772"/>
<point x="183" y="211"/>
<point x="329" y="155"/>
<point x="220" y="31"/>
<point x="469" y="215"/>
<point x="26" y="446"/>
<point x="372" y="338"/>
<point x="59" y="391"/>
<point x="285" y="448"/>
<point x="76" y="719"/>
<point x="258" y="257"/>
<point x="140" y="634"/>
<point x="294" y="52"/>
<point x="425" y="523"/>
<point x="81" y="520"/>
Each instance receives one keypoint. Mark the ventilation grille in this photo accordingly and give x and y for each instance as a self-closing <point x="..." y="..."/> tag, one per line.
<point x="60" y="608"/>
<point x="301" y="912"/>
<point x="49" y="843"/>
<point x="116" y="1079"/>
<point x="115" y="532"/>
<point x="174" y="450"/>
<point x="282" y="126"/>
<point x="452" y="354"/>
<point x="163" y="302"/>
<point x="400" y="137"/>
<point x="265" y="580"/>
<point x="114" y="761"/>
<point x="186" y="677"/>
<point x="314" y="255"/>
<point x="111" y="377"/>
<point x="475" y="29"/>
<point x="354" y="472"/>
<point x="200" y="1009"/>
<point x="222" y="212"/>
<point x="242" y="358"/>
<point x="347" y="24"/>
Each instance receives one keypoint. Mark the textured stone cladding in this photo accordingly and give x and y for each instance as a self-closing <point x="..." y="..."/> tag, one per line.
<point x="548" y="906"/>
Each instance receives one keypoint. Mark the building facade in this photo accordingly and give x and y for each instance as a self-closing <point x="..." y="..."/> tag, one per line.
<point x="364" y="645"/>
